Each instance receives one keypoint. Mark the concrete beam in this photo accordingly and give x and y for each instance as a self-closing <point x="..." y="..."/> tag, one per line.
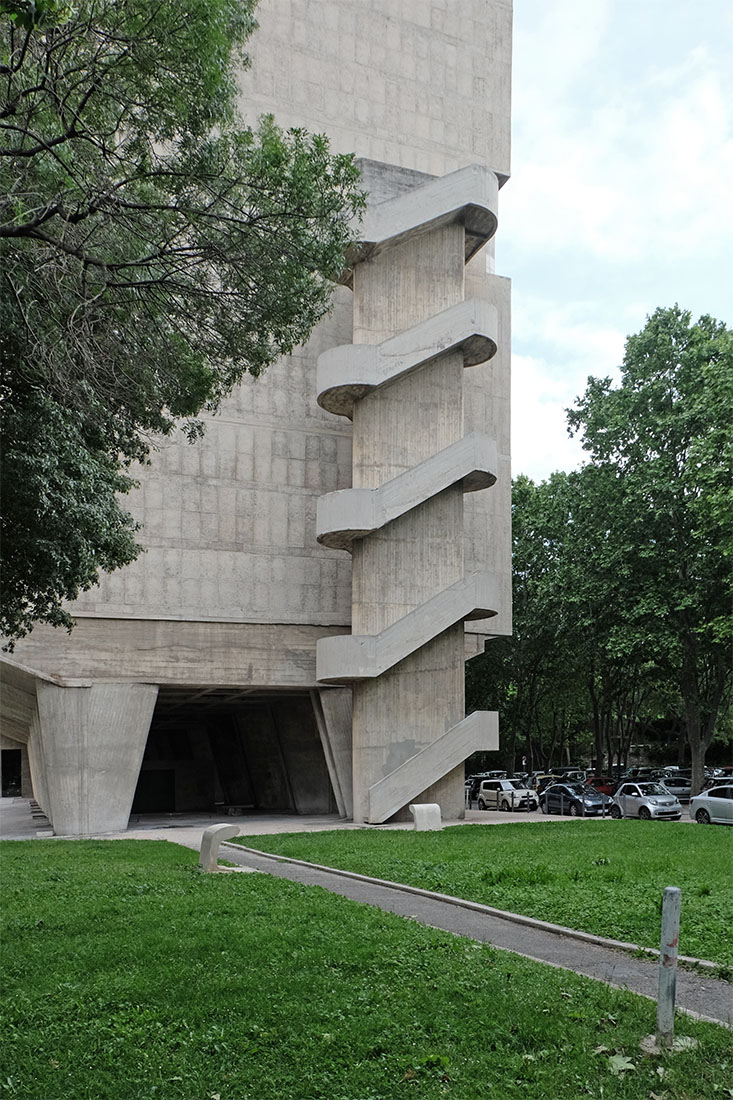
<point x="362" y="657"/>
<point x="479" y="731"/>
<point x="348" y="373"/>
<point x="349" y="514"/>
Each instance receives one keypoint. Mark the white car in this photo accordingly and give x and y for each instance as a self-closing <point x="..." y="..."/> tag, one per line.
<point x="714" y="805"/>
<point x="505" y="794"/>
<point x="646" y="800"/>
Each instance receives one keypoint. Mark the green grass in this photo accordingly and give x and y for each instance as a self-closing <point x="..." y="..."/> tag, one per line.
<point x="130" y="975"/>
<point x="597" y="876"/>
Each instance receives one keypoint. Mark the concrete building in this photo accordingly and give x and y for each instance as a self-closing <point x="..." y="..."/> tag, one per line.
<point x="319" y="568"/>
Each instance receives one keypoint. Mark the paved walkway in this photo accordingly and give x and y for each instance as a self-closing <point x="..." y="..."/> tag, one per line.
<point x="697" y="993"/>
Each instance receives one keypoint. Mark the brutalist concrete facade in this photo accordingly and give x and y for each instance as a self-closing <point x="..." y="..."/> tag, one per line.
<point x="320" y="566"/>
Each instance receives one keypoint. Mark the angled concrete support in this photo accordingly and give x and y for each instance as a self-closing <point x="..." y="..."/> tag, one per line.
<point x="91" y="742"/>
<point x="332" y="708"/>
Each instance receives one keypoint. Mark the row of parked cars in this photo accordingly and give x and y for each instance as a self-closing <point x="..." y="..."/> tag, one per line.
<point x="657" y="799"/>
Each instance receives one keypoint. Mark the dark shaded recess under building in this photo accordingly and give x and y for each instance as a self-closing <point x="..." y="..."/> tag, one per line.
<point x="10" y="770"/>
<point x="233" y="752"/>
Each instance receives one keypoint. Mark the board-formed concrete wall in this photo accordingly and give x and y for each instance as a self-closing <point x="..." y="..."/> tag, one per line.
<point x="234" y="587"/>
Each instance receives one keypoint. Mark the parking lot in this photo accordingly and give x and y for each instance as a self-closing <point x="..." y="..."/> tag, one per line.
<point x="501" y="817"/>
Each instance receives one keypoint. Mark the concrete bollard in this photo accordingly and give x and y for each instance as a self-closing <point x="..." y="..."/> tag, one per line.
<point x="663" y="1041"/>
<point x="426" y="816"/>
<point x="210" y="841"/>
<point x="668" y="965"/>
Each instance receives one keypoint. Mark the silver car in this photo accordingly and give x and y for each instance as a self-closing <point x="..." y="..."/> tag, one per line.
<point x="646" y="800"/>
<point x="714" y="805"/>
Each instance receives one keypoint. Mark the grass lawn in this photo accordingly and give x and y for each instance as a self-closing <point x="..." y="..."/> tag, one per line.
<point x="130" y="975"/>
<point x="605" y="877"/>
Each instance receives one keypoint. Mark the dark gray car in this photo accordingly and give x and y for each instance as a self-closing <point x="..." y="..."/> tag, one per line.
<point x="575" y="799"/>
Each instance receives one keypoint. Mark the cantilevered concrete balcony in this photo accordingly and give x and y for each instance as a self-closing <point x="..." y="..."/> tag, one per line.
<point x="351" y="657"/>
<point x="348" y="373"/>
<point x="350" y="514"/>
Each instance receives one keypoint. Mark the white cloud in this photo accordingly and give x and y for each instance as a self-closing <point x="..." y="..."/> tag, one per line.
<point x="570" y="348"/>
<point x="643" y="169"/>
<point x="540" y="443"/>
<point x="620" y="199"/>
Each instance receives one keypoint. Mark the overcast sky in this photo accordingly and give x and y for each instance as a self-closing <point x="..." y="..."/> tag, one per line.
<point x="621" y="196"/>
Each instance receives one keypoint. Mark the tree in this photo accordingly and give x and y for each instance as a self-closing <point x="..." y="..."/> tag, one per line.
<point x="662" y="441"/>
<point x="534" y="679"/>
<point x="153" y="250"/>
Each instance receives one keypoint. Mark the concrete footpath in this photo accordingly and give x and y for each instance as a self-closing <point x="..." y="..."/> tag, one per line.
<point x="699" y="993"/>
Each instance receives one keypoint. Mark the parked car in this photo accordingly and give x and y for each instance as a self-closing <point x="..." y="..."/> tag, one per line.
<point x="474" y="782"/>
<point x="720" y="781"/>
<point x="568" y="775"/>
<point x="713" y="806"/>
<point x="603" y="783"/>
<point x="647" y="801"/>
<point x="678" y="785"/>
<point x="505" y="794"/>
<point x="538" y="781"/>
<point x="641" y="773"/>
<point x="575" y="799"/>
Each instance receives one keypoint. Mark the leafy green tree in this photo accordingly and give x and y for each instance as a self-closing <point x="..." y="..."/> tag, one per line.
<point x="662" y="442"/>
<point x="533" y="678"/>
<point x="153" y="250"/>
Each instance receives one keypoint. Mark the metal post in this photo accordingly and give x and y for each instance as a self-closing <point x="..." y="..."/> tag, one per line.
<point x="668" y="965"/>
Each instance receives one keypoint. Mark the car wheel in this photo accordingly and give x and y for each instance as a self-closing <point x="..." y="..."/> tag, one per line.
<point x="481" y="804"/>
<point x="615" y="812"/>
<point x="543" y="807"/>
<point x="702" y="817"/>
<point x="574" y="811"/>
<point x="505" y="806"/>
<point x="644" y="814"/>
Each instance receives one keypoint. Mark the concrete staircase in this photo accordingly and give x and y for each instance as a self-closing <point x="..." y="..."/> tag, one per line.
<point x="404" y="512"/>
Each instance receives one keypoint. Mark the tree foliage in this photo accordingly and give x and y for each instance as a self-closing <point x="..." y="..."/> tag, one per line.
<point x="622" y="569"/>
<point x="153" y="250"/>
<point x="664" y="437"/>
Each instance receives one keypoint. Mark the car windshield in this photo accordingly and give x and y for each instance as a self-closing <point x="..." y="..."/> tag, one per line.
<point x="516" y="784"/>
<point x="652" y="788"/>
<point x="576" y="788"/>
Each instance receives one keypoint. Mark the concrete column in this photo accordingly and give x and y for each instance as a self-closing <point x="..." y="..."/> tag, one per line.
<point x="333" y="712"/>
<point x="90" y="747"/>
<point x="37" y="763"/>
<point x="401" y="566"/>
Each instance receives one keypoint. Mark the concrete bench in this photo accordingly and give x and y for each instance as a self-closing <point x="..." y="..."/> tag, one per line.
<point x="426" y="816"/>
<point x="210" y="841"/>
